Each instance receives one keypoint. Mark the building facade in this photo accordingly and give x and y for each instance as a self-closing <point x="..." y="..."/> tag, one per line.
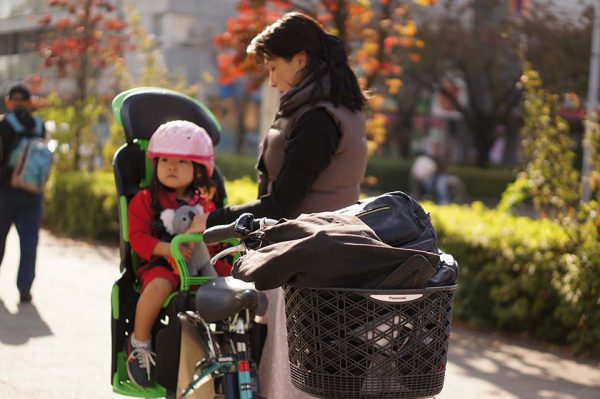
<point x="184" y="30"/>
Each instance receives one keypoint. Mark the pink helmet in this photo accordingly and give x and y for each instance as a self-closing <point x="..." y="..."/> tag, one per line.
<point x="183" y="139"/>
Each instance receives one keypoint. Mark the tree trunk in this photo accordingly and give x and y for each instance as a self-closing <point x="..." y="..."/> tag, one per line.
<point x="82" y="85"/>
<point x="483" y="137"/>
<point x="405" y="134"/>
<point x="240" y="100"/>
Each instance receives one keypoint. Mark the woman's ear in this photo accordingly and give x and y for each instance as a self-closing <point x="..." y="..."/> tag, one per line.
<point x="300" y="59"/>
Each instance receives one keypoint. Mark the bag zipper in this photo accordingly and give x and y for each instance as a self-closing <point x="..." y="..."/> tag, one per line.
<point x="374" y="210"/>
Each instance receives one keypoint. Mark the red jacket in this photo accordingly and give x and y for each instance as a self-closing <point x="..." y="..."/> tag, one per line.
<point x="140" y="217"/>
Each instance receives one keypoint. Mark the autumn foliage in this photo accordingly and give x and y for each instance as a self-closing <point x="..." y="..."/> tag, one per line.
<point x="82" y="45"/>
<point x="252" y="17"/>
<point x="379" y="35"/>
<point x="380" y="38"/>
<point x="86" y="40"/>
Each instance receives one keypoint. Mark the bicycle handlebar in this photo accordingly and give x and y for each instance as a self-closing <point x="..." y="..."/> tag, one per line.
<point x="241" y="228"/>
<point x="219" y="233"/>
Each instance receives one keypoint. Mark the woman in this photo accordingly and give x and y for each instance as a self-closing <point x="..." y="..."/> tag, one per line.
<point x="313" y="157"/>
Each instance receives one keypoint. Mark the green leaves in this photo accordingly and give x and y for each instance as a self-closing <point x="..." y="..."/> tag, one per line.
<point x="550" y="173"/>
<point x="524" y="275"/>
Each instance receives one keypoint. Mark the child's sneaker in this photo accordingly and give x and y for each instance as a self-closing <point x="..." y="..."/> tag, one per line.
<point x="139" y="360"/>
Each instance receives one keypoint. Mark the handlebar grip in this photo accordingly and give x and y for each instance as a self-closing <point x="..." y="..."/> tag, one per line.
<point x="241" y="228"/>
<point x="219" y="233"/>
<point x="266" y="222"/>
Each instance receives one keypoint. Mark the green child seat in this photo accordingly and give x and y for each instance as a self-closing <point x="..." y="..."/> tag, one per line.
<point x="140" y="112"/>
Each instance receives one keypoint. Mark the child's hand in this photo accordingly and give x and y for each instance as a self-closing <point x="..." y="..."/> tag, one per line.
<point x="186" y="251"/>
<point x="198" y="224"/>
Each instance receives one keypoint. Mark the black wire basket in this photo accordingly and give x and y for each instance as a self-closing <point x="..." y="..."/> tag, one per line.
<point x="360" y="343"/>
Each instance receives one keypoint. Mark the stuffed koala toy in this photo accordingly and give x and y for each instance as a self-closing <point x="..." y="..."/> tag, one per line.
<point x="177" y="221"/>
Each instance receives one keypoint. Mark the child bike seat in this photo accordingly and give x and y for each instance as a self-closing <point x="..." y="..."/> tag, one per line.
<point x="225" y="296"/>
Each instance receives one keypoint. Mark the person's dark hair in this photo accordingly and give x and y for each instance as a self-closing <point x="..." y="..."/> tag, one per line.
<point x="19" y="89"/>
<point x="296" y="32"/>
<point x="201" y="180"/>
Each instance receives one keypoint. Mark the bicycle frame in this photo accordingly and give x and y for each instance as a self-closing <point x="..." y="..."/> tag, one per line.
<point x="227" y="361"/>
<point x="227" y="358"/>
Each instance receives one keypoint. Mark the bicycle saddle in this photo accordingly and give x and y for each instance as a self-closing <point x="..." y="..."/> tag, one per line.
<point x="225" y="296"/>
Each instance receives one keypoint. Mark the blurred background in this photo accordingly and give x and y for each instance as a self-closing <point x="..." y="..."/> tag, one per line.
<point x="499" y="93"/>
<point x="438" y="71"/>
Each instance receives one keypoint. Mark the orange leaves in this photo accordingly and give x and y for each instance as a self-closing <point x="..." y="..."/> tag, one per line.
<point x="389" y="42"/>
<point x="380" y="34"/>
<point x="330" y="5"/>
<point x="376" y="128"/>
<point x="252" y="18"/>
<point x="233" y="66"/>
<point x="393" y="86"/>
<point x="409" y="29"/>
<point x="415" y="57"/>
<point x="376" y="102"/>
<point x="116" y="25"/>
<point x="370" y="49"/>
<point x="370" y="65"/>
<point x="88" y="29"/>
<point x="425" y="3"/>
<point x="45" y="20"/>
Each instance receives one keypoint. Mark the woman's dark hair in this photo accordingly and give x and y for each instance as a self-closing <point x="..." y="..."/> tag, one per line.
<point x="201" y="179"/>
<point x="296" y="32"/>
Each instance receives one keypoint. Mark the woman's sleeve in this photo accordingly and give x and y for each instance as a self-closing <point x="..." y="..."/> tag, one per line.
<point x="313" y="142"/>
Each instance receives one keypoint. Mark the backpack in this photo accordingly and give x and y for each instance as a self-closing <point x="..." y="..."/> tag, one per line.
<point x="30" y="158"/>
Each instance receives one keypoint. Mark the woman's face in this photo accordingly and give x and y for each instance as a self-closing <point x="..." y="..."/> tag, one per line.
<point x="284" y="74"/>
<point x="175" y="173"/>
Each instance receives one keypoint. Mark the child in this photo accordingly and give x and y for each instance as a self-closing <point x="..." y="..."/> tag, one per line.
<point x="183" y="164"/>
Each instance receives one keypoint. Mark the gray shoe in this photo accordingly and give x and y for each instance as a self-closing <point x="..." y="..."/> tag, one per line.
<point x="139" y="362"/>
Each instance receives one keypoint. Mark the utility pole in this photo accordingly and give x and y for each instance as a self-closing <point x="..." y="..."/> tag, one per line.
<point x="591" y="107"/>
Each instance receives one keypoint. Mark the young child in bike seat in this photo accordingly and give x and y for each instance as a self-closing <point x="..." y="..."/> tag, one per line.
<point x="183" y="155"/>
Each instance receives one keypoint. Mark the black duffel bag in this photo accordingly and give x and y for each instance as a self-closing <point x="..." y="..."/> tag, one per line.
<point x="397" y="219"/>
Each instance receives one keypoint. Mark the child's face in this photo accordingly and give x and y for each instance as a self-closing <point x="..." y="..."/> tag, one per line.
<point x="175" y="173"/>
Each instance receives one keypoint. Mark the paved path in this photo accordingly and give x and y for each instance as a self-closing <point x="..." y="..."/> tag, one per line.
<point x="58" y="347"/>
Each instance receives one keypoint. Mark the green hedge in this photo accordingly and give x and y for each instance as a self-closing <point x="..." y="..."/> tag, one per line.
<point x="392" y="175"/>
<point x="516" y="274"/>
<point x="236" y="166"/>
<point x="483" y="183"/>
<point x="522" y="275"/>
<point x="82" y="205"/>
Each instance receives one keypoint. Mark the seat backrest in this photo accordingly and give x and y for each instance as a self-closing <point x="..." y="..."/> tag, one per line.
<point x="142" y="110"/>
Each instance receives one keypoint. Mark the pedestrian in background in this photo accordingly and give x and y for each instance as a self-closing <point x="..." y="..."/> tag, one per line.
<point x="428" y="175"/>
<point x="18" y="206"/>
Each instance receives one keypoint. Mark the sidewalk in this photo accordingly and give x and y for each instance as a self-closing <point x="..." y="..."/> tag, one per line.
<point x="483" y="366"/>
<point x="59" y="347"/>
